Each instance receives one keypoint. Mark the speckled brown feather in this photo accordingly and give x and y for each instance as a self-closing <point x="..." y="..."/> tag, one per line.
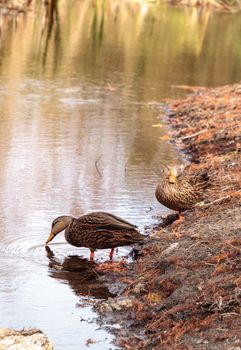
<point x="100" y="230"/>
<point x="185" y="193"/>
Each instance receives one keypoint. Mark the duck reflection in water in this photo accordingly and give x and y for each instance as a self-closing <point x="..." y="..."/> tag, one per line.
<point x="80" y="274"/>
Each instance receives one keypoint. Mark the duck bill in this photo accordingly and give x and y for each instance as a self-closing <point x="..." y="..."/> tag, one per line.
<point x="172" y="179"/>
<point x="51" y="236"/>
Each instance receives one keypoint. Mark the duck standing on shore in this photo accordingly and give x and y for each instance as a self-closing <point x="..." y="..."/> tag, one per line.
<point x="97" y="230"/>
<point x="182" y="191"/>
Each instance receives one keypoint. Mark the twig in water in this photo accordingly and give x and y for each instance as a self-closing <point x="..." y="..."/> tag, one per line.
<point x="96" y="166"/>
<point x="149" y="209"/>
<point x="188" y="87"/>
<point x="193" y="135"/>
<point x="126" y="164"/>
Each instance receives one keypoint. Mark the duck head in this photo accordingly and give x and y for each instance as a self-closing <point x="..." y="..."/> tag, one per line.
<point x="170" y="173"/>
<point x="172" y="177"/>
<point x="58" y="225"/>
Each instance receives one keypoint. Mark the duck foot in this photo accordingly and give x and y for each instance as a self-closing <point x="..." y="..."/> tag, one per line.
<point x="169" y="219"/>
<point x="179" y="219"/>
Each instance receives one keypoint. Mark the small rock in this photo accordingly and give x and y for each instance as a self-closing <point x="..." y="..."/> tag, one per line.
<point x="122" y="304"/>
<point x="26" y="339"/>
<point x="113" y="305"/>
<point x="171" y="248"/>
<point x="105" y="308"/>
<point x="238" y="89"/>
<point x="140" y="287"/>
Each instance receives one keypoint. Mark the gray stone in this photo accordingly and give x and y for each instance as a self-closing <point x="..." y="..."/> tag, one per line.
<point x="26" y="339"/>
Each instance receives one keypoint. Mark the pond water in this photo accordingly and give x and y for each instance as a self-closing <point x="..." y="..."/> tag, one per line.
<point x="80" y="102"/>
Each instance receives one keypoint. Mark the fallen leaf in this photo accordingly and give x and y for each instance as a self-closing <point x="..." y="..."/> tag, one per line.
<point x="157" y="125"/>
<point x="154" y="297"/>
<point x="165" y="137"/>
<point x="90" y="342"/>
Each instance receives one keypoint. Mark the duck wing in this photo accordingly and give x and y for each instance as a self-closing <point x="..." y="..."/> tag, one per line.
<point x="106" y="221"/>
<point x="200" y="180"/>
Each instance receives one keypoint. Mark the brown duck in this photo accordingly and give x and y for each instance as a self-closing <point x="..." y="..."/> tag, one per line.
<point x="184" y="191"/>
<point x="97" y="230"/>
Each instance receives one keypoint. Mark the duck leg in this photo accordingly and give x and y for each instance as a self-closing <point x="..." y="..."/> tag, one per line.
<point x="181" y="217"/>
<point x="112" y="253"/>
<point x="92" y="253"/>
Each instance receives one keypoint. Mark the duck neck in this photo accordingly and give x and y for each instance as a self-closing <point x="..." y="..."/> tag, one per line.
<point x="68" y="229"/>
<point x="67" y="221"/>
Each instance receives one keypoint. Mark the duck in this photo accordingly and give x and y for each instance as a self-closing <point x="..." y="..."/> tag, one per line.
<point x="184" y="191"/>
<point x="96" y="230"/>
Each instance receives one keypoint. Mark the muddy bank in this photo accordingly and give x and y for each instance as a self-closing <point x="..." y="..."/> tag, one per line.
<point x="184" y="290"/>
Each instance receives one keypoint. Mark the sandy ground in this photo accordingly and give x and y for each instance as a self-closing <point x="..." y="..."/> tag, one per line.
<point x="184" y="289"/>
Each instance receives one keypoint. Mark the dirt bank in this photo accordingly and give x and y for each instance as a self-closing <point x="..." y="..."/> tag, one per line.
<point x="184" y="290"/>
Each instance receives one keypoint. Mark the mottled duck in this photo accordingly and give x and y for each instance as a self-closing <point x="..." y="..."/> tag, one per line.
<point x="184" y="191"/>
<point x="97" y="230"/>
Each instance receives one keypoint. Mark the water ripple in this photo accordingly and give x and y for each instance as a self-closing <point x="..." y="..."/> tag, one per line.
<point x="28" y="247"/>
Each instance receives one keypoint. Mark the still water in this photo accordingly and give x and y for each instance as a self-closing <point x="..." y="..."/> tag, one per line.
<point x="81" y="131"/>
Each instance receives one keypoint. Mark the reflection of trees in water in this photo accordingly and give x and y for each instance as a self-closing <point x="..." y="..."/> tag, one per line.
<point x="98" y="38"/>
<point x="80" y="274"/>
<point x="51" y="21"/>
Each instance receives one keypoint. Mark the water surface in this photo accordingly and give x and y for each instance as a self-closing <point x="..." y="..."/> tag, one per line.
<point x="81" y="131"/>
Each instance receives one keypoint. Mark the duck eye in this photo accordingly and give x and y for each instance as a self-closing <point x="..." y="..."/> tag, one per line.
<point x="54" y="223"/>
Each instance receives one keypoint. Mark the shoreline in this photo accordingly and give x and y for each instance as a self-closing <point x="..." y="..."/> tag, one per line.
<point x="184" y="290"/>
